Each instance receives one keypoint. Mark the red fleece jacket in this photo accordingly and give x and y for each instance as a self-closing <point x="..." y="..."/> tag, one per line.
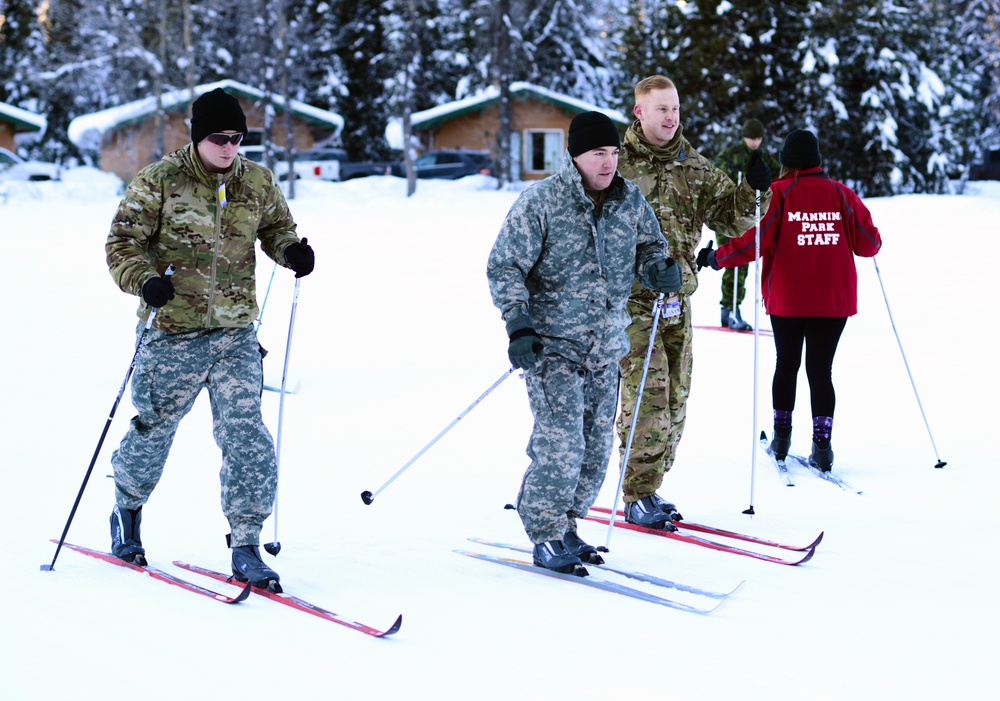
<point x="809" y="236"/>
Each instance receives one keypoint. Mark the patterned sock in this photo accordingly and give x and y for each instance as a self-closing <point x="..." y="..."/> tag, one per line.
<point x="782" y="418"/>
<point x="822" y="427"/>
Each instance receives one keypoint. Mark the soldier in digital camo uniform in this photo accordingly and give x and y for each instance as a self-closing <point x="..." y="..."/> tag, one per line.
<point x="560" y="272"/>
<point x="686" y="191"/>
<point x="201" y="209"/>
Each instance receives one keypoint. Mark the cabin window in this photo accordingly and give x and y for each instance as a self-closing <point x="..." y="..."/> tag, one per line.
<point x="542" y="150"/>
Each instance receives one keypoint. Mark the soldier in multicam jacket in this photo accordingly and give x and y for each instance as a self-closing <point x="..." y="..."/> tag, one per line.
<point x="201" y="209"/>
<point x="733" y="161"/>
<point x="560" y="272"/>
<point x="686" y="192"/>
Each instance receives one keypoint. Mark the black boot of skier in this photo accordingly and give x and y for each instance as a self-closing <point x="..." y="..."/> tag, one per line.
<point x="554" y="555"/>
<point x="585" y="551"/>
<point x="125" y="541"/>
<point x="249" y="567"/>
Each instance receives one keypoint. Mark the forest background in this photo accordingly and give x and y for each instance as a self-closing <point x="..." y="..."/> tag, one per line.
<point x="905" y="94"/>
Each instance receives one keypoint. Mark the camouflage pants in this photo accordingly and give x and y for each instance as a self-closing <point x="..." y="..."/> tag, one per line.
<point x="171" y="371"/>
<point x="739" y="274"/>
<point x="570" y="445"/>
<point x="663" y="407"/>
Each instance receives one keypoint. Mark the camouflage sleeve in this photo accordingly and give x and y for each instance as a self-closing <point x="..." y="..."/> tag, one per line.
<point x="136" y="222"/>
<point x="515" y="252"/>
<point x="651" y="246"/>
<point x="277" y="228"/>
<point x="734" y="207"/>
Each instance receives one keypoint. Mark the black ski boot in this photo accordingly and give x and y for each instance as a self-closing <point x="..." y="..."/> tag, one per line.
<point x="248" y="567"/>
<point x="781" y="443"/>
<point x="822" y="454"/>
<point x="554" y="555"/>
<point x="645" y="512"/>
<point x="666" y="507"/>
<point x="585" y="551"/>
<point x="125" y="541"/>
<point x="736" y="322"/>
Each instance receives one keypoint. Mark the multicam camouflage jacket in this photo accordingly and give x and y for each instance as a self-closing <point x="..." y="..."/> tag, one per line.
<point x="686" y="191"/>
<point x="734" y="159"/>
<point x="205" y="224"/>
<point x="569" y="265"/>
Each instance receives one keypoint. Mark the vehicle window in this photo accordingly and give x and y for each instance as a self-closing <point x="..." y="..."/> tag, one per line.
<point x="6" y="159"/>
<point x="428" y="159"/>
<point x="448" y="158"/>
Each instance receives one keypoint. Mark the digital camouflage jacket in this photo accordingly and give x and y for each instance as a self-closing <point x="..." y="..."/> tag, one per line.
<point x="686" y="191"/>
<point x="569" y="264"/>
<point x="205" y="224"/>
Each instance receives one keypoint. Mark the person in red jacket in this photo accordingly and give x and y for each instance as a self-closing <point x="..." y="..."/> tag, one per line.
<point x="813" y="228"/>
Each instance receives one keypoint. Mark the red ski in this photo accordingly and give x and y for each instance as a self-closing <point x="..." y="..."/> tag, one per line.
<point x="711" y="530"/>
<point x="725" y="329"/>
<point x="704" y="542"/>
<point x="297" y="603"/>
<point x="160" y="575"/>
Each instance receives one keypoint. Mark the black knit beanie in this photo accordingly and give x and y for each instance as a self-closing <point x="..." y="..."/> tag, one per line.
<point x="752" y="129"/>
<point x="590" y="130"/>
<point x="800" y="150"/>
<point x="216" y="111"/>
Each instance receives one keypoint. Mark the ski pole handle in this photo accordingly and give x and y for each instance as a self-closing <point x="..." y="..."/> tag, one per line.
<point x="152" y="315"/>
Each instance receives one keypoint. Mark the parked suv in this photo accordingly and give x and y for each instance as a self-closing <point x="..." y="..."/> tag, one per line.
<point x="989" y="169"/>
<point x="450" y="164"/>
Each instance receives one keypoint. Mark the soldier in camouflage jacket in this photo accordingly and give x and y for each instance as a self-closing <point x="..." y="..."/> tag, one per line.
<point x="734" y="161"/>
<point x="687" y="192"/>
<point x="560" y="272"/>
<point x="201" y="209"/>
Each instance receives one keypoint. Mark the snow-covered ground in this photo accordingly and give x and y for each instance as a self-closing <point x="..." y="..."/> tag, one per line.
<point x="394" y="336"/>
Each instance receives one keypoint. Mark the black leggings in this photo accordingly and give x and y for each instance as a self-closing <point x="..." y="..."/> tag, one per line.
<point x="821" y="336"/>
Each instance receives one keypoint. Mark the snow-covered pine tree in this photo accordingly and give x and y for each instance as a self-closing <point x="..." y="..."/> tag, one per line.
<point x="977" y="29"/>
<point x="650" y="37"/>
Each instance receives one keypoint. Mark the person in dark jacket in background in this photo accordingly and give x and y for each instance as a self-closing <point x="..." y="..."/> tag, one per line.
<point x="734" y="161"/>
<point x="813" y="229"/>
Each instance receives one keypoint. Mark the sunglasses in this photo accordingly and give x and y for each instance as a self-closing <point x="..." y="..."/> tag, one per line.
<point x="223" y="139"/>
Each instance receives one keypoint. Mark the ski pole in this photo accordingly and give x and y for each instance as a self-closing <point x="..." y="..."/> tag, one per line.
<point x="756" y="352"/>
<point x="275" y="547"/>
<point x="107" y="425"/>
<point x="940" y="463"/>
<point x="657" y="306"/>
<point x="263" y="305"/>
<point x="368" y="497"/>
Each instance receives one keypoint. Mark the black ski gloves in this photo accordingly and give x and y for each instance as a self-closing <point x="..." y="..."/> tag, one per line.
<point x="525" y="347"/>
<point x="300" y="258"/>
<point x="157" y="291"/>
<point x="663" y="275"/>
<point x="706" y="257"/>
<point x="758" y="175"/>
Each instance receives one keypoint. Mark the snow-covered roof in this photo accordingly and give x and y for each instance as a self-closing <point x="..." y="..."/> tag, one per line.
<point x="87" y="130"/>
<point x="491" y="95"/>
<point x="23" y="120"/>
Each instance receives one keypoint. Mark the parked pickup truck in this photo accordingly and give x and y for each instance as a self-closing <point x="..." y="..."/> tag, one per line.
<point x="321" y="164"/>
<point x="332" y="164"/>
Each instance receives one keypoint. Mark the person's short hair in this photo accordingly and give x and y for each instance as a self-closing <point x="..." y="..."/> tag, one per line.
<point x="651" y="83"/>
